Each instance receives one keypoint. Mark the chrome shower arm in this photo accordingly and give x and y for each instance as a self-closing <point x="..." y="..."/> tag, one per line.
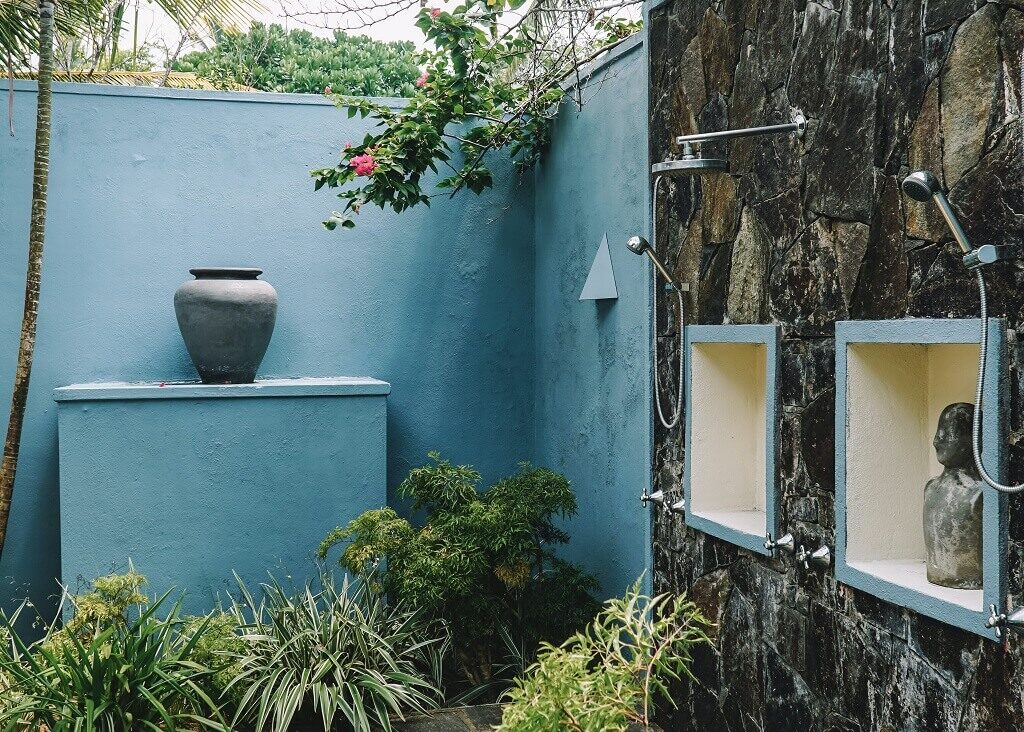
<point x="798" y="125"/>
<point x="661" y="268"/>
<point x="952" y="222"/>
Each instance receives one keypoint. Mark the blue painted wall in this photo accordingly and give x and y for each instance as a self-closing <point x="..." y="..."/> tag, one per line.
<point x="197" y="482"/>
<point x="147" y="183"/>
<point x="592" y="390"/>
<point x="468" y="309"/>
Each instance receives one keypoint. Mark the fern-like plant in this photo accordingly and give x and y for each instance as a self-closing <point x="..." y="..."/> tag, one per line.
<point x="334" y="652"/>
<point x="608" y="676"/>
<point x="482" y="562"/>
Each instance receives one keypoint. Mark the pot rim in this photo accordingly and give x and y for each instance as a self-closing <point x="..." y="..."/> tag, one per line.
<point x="226" y="273"/>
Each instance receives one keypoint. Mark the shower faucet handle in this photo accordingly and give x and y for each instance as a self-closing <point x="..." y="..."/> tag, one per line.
<point x="785" y="543"/>
<point x="657" y="498"/>
<point x="998" y="620"/>
<point x="820" y="558"/>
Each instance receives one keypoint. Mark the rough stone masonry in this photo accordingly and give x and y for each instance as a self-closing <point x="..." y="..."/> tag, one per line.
<point x="804" y="233"/>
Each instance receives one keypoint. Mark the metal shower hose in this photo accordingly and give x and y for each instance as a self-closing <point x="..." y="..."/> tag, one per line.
<point x="673" y="419"/>
<point x="976" y="431"/>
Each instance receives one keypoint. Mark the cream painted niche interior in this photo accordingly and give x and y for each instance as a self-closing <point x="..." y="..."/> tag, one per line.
<point x="731" y="396"/>
<point x="894" y="395"/>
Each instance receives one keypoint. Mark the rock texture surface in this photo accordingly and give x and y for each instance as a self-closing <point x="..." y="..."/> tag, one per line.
<point x="805" y="233"/>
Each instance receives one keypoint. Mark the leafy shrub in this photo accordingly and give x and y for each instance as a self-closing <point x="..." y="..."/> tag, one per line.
<point x="609" y="675"/>
<point x="272" y="59"/>
<point x="107" y="603"/>
<point x="333" y="652"/>
<point x="481" y="563"/>
<point x="218" y="647"/>
<point x="106" y="671"/>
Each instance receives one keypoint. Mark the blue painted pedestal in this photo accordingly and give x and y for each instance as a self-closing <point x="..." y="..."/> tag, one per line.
<point x="192" y="481"/>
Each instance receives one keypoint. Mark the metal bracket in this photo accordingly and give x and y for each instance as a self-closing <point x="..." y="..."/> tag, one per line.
<point x="785" y="543"/>
<point x="986" y="254"/>
<point x="678" y="507"/>
<point x="820" y="558"/>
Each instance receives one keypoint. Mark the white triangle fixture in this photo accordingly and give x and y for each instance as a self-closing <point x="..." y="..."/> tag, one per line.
<point x="600" y="284"/>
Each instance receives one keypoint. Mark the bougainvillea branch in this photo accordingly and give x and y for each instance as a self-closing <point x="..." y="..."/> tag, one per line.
<point x="494" y="80"/>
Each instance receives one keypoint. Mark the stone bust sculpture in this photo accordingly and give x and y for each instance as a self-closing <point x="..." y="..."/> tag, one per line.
<point x="952" y="505"/>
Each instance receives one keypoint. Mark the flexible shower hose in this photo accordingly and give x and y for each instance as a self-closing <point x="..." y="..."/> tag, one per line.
<point x="673" y="419"/>
<point x="976" y="432"/>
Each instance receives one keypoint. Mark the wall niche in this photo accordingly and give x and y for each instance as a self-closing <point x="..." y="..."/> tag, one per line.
<point x="894" y="378"/>
<point x="731" y="409"/>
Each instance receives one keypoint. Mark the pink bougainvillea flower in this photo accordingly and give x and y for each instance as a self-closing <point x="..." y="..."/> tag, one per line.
<point x="364" y="164"/>
<point x="434" y="12"/>
<point x="327" y="89"/>
<point x="348" y="145"/>
<point x="422" y="81"/>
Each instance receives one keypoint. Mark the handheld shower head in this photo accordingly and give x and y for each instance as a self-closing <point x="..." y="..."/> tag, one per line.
<point x="639" y="245"/>
<point x="922" y="185"/>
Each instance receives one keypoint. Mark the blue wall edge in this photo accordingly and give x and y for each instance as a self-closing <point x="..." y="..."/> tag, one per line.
<point x="612" y="56"/>
<point x="203" y="95"/>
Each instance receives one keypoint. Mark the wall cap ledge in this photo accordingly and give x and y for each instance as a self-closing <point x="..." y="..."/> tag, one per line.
<point x="297" y="387"/>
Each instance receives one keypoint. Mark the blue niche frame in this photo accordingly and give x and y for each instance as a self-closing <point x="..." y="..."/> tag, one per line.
<point x="768" y="336"/>
<point x="994" y="532"/>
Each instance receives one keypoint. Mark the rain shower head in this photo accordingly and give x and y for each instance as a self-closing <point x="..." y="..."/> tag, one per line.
<point x="921" y="186"/>
<point x="689" y="166"/>
<point x="691" y="162"/>
<point x="639" y="245"/>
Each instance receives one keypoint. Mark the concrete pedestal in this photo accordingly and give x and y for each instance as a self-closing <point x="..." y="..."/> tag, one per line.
<point x="192" y="481"/>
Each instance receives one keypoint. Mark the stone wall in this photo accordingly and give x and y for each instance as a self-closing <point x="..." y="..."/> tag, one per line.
<point x="804" y="233"/>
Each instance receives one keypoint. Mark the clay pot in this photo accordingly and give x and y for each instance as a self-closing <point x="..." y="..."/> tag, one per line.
<point x="226" y="316"/>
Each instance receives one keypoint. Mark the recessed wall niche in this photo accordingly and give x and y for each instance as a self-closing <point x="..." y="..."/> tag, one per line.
<point x="893" y="379"/>
<point x="731" y="404"/>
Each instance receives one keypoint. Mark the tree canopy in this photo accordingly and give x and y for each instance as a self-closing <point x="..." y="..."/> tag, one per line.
<point x="269" y="58"/>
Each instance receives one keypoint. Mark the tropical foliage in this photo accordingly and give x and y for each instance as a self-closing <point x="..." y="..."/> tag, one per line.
<point x="332" y="652"/>
<point x="609" y="676"/>
<point x="482" y="562"/>
<point x="494" y="82"/>
<point x="119" y="663"/>
<point x="272" y="59"/>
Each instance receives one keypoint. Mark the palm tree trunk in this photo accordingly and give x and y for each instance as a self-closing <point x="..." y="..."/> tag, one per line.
<point x="27" y="342"/>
